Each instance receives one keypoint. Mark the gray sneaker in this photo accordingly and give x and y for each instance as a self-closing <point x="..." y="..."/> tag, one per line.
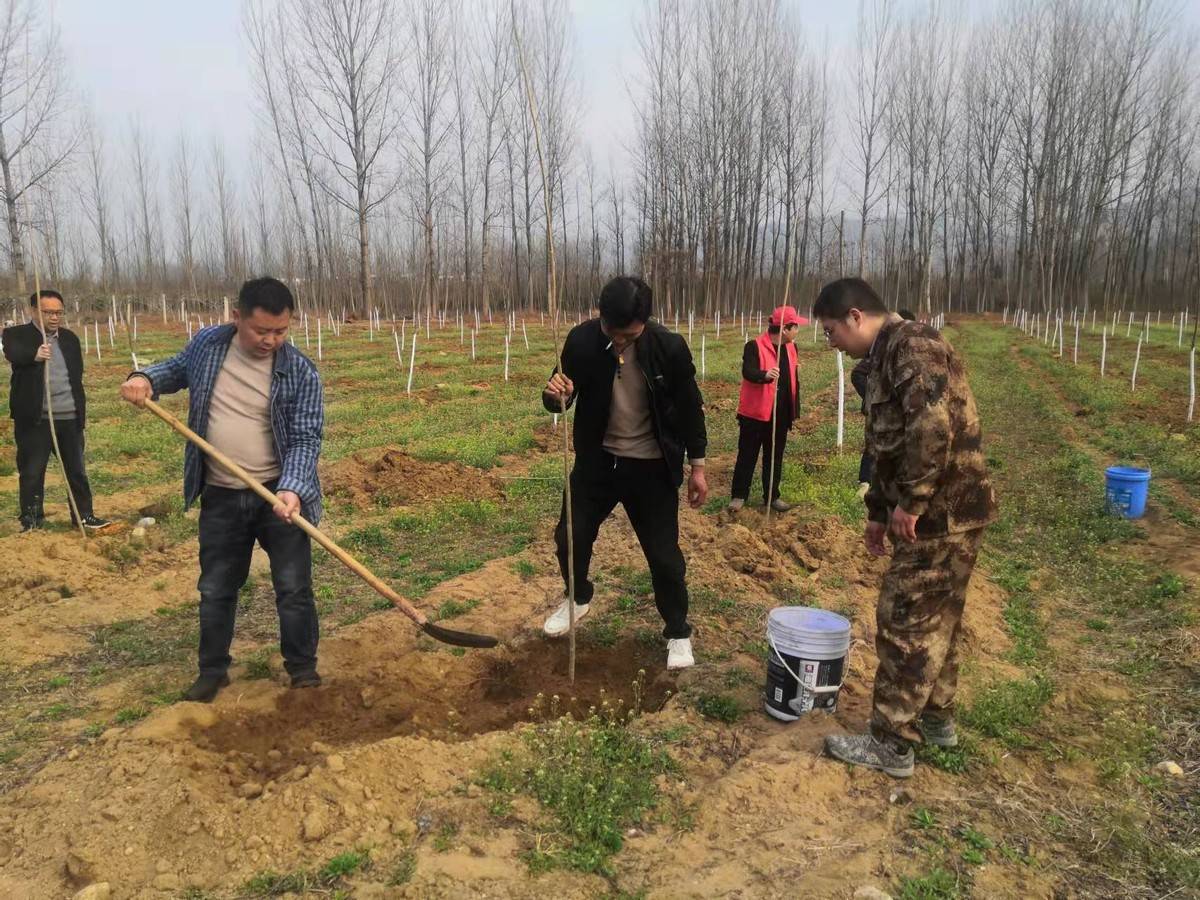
<point x="866" y="750"/>
<point x="736" y="504"/>
<point x="939" y="732"/>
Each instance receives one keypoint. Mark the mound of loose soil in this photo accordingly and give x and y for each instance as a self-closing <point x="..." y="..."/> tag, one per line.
<point x="397" y="478"/>
<point x="56" y="586"/>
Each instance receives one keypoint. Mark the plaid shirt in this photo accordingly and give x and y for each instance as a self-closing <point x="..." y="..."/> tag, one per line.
<point x="297" y="411"/>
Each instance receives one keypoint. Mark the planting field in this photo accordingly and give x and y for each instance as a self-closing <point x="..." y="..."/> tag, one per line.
<point x="420" y="770"/>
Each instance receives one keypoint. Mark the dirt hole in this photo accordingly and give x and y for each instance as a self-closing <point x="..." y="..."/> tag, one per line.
<point x="421" y="696"/>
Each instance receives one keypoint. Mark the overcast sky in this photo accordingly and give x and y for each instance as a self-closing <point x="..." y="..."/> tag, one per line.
<point x="179" y="65"/>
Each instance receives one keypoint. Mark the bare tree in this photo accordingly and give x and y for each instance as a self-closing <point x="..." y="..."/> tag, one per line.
<point x="35" y="137"/>
<point x="145" y="174"/>
<point x="226" y="215"/>
<point x="431" y="124"/>
<point x="873" y="92"/>
<point x="350" y="59"/>
<point x="182" y="175"/>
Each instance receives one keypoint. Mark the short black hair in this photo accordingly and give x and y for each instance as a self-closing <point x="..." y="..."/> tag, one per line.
<point x="269" y="294"/>
<point x="48" y="293"/>
<point x="625" y="300"/>
<point x="907" y="314"/>
<point x="839" y="297"/>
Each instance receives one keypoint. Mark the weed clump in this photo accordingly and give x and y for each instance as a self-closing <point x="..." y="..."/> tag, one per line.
<point x="274" y="884"/>
<point x="1005" y="708"/>
<point x="595" y="777"/>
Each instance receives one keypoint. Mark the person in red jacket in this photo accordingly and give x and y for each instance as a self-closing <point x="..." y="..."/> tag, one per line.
<point x="762" y="377"/>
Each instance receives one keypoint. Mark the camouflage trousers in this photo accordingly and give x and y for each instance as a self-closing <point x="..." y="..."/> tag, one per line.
<point x="919" y="620"/>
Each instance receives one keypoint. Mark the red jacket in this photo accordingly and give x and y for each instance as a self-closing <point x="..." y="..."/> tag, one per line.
<point x="756" y="400"/>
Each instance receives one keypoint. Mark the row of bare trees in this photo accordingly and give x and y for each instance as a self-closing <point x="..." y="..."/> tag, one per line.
<point x="1037" y="153"/>
<point x="1044" y="153"/>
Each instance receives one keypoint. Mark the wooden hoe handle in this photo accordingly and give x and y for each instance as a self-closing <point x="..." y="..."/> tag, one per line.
<point x="444" y="634"/>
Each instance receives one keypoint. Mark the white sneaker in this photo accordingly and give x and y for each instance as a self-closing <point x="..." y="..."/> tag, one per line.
<point x="736" y="504"/>
<point x="679" y="653"/>
<point x="560" y="623"/>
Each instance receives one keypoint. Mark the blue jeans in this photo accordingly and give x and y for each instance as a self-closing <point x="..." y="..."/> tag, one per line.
<point x="230" y="522"/>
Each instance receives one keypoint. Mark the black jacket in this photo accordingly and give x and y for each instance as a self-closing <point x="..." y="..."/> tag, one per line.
<point x="676" y="406"/>
<point x="21" y="344"/>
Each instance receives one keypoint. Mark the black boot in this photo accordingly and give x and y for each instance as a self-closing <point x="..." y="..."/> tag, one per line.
<point x="206" y="688"/>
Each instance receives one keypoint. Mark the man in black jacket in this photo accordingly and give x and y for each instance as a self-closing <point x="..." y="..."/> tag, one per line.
<point x="28" y="350"/>
<point x="638" y="411"/>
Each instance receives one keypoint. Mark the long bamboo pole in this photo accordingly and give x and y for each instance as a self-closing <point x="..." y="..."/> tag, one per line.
<point x="552" y="301"/>
<point x="787" y="290"/>
<point x="62" y="467"/>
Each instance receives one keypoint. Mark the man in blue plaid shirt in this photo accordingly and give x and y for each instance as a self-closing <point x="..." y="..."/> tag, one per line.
<point x="257" y="399"/>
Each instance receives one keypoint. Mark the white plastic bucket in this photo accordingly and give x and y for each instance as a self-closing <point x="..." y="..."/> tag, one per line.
<point x="806" y="661"/>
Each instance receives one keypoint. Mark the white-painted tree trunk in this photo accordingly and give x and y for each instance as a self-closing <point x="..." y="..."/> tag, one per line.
<point x="841" y="414"/>
<point x="1191" y="383"/>
<point x="412" y="359"/>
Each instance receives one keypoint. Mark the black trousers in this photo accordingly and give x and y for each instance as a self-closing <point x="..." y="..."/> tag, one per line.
<point x="34" y="446"/>
<point x="230" y="522"/>
<point x="651" y="500"/>
<point x="755" y="436"/>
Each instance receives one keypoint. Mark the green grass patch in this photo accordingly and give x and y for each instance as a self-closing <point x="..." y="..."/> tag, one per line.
<point x="594" y="779"/>
<point x="721" y="707"/>
<point x="131" y="714"/>
<point x="450" y="609"/>
<point x="329" y="876"/>
<point x="939" y="884"/>
<point x="1002" y="710"/>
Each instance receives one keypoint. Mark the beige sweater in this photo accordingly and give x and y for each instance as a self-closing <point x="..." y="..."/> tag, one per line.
<point x="239" y="418"/>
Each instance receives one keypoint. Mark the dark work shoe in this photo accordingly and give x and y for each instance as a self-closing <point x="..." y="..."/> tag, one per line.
<point x="939" y="732"/>
<point x="95" y="523"/>
<point x="206" y="688"/>
<point x="306" y="679"/>
<point x="866" y="750"/>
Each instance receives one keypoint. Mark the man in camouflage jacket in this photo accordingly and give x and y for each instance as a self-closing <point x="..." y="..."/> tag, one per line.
<point x="931" y="493"/>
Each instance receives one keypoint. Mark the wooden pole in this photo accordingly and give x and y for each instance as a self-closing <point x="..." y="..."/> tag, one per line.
<point x="552" y="301"/>
<point x="62" y="467"/>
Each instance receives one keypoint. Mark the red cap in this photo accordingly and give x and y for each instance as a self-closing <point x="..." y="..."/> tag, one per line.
<point x="787" y="315"/>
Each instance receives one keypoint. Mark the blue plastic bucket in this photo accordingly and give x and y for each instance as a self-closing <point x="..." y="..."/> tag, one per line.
<point x="1125" y="490"/>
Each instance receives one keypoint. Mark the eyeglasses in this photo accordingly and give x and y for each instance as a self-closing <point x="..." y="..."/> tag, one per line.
<point x="53" y="312"/>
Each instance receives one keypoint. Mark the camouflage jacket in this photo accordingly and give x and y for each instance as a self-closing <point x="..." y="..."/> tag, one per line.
<point x="923" y="432"/>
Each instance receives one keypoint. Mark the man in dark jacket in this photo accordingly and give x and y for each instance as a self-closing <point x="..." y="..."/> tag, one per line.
<point x="29" y="351"/>
<point x="638" y="411"/>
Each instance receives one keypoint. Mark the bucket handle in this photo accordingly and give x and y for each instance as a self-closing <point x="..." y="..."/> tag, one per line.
<point x="827" y="689"/>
